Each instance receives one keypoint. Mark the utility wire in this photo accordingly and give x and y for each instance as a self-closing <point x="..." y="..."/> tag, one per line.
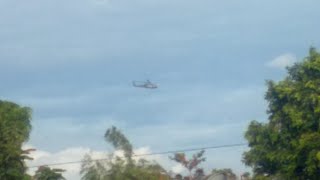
<point x="150" y="154"/>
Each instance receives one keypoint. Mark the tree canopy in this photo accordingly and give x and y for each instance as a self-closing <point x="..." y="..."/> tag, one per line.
<point x="287" y="146"/>
<point x="118" y="168"/>
<point x="46" y="173"/>
<point x="15" y="128"/>
<point x="229" y="174"/>
<point x="190" y="164"/>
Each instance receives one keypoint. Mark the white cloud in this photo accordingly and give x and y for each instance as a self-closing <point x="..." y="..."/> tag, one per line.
<point x="282" y="61"/>
<point x="178" y="168"/>
<point x="68" y="155"/>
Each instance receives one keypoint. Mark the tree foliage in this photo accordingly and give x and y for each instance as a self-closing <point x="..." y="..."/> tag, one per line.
<point x="46" y="173"/>
<point x="15" y="128"/>
<point x="119" y="142"/>
<point x="190" y="164"/>
<point x="246" y="176"/>
<point x="199" y="174"/>
<point x="229" y="174"/>
<point x="118" y="168"/>
<point x="287" y="146"/>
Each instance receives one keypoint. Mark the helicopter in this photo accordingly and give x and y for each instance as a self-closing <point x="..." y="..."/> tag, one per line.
<point x="147" y="84"/>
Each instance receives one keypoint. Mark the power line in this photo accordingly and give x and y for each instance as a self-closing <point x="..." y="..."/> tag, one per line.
<point x="149" y="154"/>
<point x="190" y="150"/>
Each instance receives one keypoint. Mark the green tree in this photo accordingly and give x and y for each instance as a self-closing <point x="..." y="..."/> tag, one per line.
<point x="178" y="177"/>
<point x="229" y="174"/>
<point x="199" y="174"/>
<point x="288" y="145"/>
<point x="190" y="164"/>
<point x="46" y="173"/>
<point x="245" y="176"/>
<point x="117" y="168"/>
<point x="15" y="128"/>
<point x="119" y="142"/>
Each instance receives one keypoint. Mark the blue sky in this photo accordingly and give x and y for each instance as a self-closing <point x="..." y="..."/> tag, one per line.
<point x="73" y="62"/>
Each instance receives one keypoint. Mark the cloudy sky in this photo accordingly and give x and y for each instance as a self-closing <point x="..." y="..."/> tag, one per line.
<point x="73" y="62"/>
